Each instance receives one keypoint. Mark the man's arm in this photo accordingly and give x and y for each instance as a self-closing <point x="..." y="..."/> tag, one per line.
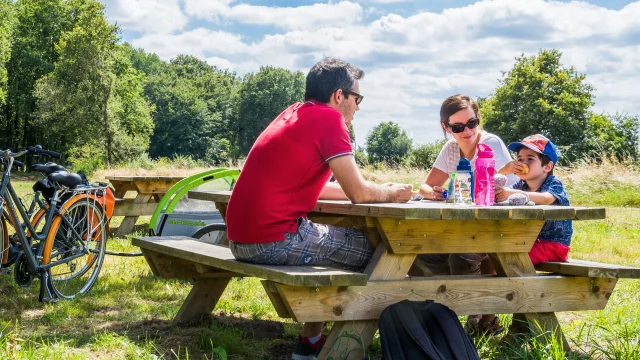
<point x="333" y="191"/>
<point x="358" y="190"/>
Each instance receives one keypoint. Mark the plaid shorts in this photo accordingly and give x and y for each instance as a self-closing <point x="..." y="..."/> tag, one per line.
<point x="312" y="244"/>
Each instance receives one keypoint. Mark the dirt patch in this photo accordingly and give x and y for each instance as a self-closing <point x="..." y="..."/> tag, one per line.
<point x="33" y="313"/>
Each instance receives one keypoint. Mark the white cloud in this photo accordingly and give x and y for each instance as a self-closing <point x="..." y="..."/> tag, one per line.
<point x="196" y="42"/>
<point x="302" y="17"/>
<point x="413" y="63"/>
<point x="147" y="16"/>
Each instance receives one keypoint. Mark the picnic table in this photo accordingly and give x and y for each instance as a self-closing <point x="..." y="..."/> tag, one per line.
<point x="149" y="190"/>
<point x="399" y="232"/>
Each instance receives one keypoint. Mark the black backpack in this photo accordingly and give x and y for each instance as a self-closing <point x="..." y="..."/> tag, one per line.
<point x="423" y="330"/>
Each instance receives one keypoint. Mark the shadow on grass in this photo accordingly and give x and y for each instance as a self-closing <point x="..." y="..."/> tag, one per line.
<point x="241" y="338"/>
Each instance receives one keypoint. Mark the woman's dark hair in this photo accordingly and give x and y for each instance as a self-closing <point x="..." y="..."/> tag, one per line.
<point x="455" y="103"/>
<point x="329" y="75"/>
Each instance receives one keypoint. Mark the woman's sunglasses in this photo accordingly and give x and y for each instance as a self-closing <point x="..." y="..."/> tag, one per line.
<point x="358" y="96"/>
<point x="458" y="128"/>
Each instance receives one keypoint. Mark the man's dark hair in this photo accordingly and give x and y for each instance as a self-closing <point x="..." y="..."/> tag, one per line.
<point x="329" y="75"/>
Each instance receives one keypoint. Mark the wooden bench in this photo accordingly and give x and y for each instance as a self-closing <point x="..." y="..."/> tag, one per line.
<point x="213" y="266"/>
<point x="589" y="269"/>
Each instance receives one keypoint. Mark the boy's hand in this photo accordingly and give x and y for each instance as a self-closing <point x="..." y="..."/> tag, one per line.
<point x="513" y="167"/>
<point x="504" y="193"/>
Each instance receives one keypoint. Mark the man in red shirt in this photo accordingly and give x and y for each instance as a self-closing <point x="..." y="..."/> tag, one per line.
<point x="287" y="171"/>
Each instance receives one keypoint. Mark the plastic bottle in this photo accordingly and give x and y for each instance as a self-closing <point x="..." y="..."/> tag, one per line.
<point x="485" y="171"/>
<point x="463" y="185"/>
<point x="450" y="195"/>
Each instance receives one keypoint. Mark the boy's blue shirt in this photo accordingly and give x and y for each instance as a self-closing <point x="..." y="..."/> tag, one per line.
<point x="559" y="231"/>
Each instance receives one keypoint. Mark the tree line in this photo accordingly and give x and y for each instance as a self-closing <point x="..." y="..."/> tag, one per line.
<point x="69" y="84"/>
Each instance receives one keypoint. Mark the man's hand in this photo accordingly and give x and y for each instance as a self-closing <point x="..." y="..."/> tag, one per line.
<point x="401" y="192"/>
<point x="504" y="193"/>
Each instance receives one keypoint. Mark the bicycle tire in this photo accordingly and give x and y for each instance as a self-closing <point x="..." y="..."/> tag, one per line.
<point x="87" y="218"/>
<point x="212" y="234"/>
<point x="4" y="241"/>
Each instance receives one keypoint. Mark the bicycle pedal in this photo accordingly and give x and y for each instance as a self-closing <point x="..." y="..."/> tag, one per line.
<point x="49" y="300"/>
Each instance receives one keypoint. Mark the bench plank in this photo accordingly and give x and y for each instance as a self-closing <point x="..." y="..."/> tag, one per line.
<point x="465" y="295"/>
<point x="220" y="257"/>
<point x="590" y="269"/>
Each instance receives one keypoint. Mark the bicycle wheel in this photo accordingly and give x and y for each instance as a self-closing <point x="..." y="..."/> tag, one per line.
<point x="212" y="234"/>
<point x="81" y="253"/>
<point x="4" y="241"/>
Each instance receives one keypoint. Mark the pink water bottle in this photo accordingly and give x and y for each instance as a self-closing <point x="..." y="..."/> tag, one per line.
<point x="484" y="194"/>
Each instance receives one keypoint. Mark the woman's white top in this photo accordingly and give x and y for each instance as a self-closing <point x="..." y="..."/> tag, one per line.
<point x="449" y="156"/>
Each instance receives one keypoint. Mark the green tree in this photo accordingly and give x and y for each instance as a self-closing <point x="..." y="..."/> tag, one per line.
<point x="261" y="98"/>
<point x="424" y="156"/>
<point x="7" y="21"/>
<point x="148" y="63"/>
<point x="539" y="95"/>
<point x="388" y="143"/>
<point x="616" y="135"/>
<point x="194" y="110"/>
<point x="94" y="95"/>
<point x="40" y="23"/>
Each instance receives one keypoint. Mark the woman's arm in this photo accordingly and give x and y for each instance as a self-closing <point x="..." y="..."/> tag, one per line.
<point x="432" y="189"/>
<point x="502" y="157"/>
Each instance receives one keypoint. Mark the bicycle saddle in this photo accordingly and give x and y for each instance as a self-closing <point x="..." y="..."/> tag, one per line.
<point x="48" y="168"/>
<point x="69" y="180"/>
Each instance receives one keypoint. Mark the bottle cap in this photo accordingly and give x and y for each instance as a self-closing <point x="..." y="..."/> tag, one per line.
<point x="485" y="151"/>
<point x="464" y="165"/>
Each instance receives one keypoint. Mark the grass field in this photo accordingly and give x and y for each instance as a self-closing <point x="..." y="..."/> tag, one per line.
<point x="127" y="313"/>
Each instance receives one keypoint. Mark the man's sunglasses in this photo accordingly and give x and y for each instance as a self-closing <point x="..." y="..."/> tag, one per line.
<point x="358" y="96"/>
<point x="458" y="128"/>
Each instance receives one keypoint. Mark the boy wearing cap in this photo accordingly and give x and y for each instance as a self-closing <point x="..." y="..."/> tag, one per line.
<point x="536" y="158"/>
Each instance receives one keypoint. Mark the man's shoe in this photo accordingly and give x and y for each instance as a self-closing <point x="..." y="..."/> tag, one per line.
<point x="305" y="350"/>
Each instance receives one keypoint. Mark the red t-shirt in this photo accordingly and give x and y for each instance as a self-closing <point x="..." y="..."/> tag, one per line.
<point x="285" y="171"/>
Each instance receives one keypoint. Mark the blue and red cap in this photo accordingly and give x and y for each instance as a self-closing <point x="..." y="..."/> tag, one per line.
<point x="539" y="144"/>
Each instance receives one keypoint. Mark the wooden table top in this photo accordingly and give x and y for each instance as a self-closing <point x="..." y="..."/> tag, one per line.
<point x="436" y="210"/>
<point x="143" y="178"/>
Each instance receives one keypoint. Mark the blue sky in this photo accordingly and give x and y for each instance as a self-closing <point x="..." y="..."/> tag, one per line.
<point x="414" y="53"/>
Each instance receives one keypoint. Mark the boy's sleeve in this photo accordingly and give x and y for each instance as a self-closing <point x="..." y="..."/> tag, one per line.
<point x="517" y="186"/>
<point x="555" y="187"/>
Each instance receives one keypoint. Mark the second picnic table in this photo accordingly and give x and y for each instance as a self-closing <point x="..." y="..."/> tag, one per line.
<point x="149" y="190"/>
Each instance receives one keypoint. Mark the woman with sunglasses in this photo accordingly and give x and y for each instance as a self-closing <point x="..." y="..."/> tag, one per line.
<point x="459" y="117"/>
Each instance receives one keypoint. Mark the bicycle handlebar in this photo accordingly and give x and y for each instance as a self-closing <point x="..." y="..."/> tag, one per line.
<point x="38" y="150"/>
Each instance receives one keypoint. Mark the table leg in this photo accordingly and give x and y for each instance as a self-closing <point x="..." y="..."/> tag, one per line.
<point x="126" y="227"/>
<point x="517" y="265"/>
<point x="383" y="266"/>
<point x="201" y="300"/>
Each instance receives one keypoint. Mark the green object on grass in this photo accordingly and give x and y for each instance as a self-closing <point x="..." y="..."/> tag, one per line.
<point x="177" y="191"/>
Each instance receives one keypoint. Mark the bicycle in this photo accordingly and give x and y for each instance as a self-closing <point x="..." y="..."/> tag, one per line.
<point x="66" y="252"/>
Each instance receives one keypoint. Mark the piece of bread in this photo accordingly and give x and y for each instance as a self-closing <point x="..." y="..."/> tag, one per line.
<point x="525" y="170"/>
